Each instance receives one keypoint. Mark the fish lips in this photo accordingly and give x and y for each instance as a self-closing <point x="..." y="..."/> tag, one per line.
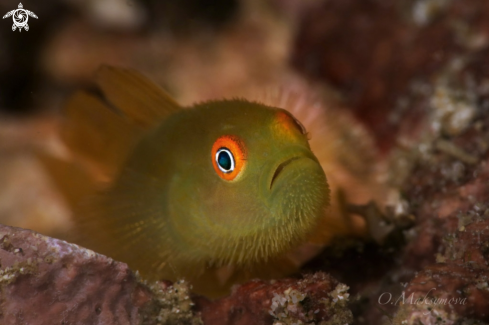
<point x="289" y="170"/>
<point x="280" y="169"/>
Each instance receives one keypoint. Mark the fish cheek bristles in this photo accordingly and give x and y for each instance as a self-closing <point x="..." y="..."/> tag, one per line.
<point x="241" y="228"/>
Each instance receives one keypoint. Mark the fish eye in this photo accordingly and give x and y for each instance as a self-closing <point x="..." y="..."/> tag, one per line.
<point x="225" y="160"/>
<point x="228" y="157"/>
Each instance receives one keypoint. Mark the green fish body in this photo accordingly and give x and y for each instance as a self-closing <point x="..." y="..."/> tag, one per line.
<point x="223" y="187"/>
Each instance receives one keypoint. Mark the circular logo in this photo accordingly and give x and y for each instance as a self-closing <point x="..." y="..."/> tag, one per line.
<point x="20" y="18"/>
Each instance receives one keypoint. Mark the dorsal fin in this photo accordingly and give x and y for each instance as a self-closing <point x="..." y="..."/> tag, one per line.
<point x="96" y="133"/>
<point x="136" y="96"/>
<point x="103" y="123"/>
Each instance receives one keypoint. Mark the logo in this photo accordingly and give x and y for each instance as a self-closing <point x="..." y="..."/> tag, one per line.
<point x="20" y="17"/>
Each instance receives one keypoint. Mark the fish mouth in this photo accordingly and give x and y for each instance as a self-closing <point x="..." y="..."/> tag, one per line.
<point x="280" y="168"/>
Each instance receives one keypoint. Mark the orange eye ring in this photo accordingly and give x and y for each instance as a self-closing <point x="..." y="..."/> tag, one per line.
<point x="228" y="157"/>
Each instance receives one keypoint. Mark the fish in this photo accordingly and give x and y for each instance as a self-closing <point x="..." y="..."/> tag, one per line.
<point x="216" y="193"/>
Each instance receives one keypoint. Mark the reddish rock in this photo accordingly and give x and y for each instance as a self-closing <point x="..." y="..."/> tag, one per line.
<point x="316" y="298"/>
<point x="416" y="69"/>
<point x="449" y="249"/>
<point x="458" y="286"/>
<point x="48" y="281"/>
<point x="385" y="56"/>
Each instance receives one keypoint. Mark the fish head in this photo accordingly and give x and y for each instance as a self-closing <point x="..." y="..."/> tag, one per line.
<point x="245" y="183"/>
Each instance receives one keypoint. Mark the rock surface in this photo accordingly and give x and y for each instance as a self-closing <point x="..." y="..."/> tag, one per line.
<point x="48" y="281"/>
<point x="449" y="247"/>
<point x="387" y="57"/>
<point x="317" y="299"/>
<point x="415" y="73"/>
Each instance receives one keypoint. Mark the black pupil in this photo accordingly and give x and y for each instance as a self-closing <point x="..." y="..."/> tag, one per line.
<point x="224" y="160"/>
